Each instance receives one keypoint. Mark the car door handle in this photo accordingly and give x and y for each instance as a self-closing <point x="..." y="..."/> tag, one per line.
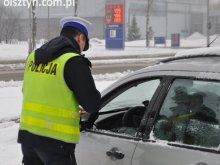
<point x="114" y="154"/>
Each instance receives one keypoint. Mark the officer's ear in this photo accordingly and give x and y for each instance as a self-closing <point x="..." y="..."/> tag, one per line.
<point x="82" y="37"/>
<point x="77" y="38"/>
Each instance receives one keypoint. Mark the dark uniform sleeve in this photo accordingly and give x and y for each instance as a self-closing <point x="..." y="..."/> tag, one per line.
<point x="78" y="77"/>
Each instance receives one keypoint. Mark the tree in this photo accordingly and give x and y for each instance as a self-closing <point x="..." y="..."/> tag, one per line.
<point x="215" y="5"/>
<point x="32" y="27"/>
<point x="133" y="30"/>
<point x="2" y="22"/>
<point x="151" y="33"/>
<point x="149" y="3"/>
<point x="9" y="24"/>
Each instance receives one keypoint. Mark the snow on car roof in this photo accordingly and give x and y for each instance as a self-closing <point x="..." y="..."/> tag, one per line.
<point x="200" y="52"/>
<point x="191" y="60"/>
<point x="194" y="53"/>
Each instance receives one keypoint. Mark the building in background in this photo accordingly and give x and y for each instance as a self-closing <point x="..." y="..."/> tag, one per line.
<point x="166" y="17"/>
<point x="215" y="22"/>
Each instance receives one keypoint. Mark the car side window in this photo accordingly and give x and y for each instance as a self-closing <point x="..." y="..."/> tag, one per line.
<point x="124" y="112"/>
<point x="190" y="114"/>
<point x="134" y="96"/>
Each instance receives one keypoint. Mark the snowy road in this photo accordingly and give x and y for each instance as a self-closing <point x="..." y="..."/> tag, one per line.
<point x="13" y="70"/>
<point x="17" y="75"/>
<point x="11" y="75"/>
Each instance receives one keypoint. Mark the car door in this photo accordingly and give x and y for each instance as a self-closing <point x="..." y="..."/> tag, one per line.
<point x="112" y="140"/>
<point x="187" y="126"/>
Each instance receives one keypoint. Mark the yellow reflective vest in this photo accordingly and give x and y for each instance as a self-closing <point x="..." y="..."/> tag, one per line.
<point x="49" y="108"/>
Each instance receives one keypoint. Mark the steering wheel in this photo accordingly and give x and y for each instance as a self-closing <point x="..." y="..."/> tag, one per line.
<point x="133" y="116"/>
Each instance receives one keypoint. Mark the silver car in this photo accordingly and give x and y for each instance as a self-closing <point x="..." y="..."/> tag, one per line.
<point x="167" y="114"/>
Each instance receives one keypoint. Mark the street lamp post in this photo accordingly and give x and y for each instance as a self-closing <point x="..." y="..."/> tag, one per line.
<point x="208" y="24"/>
<point x="166" y="10"/>
<point x="147" y="23"/>
<point x="29" y="31"/>
<point x="48" y="23"/>
<point x="76" y="6"/>
<point x="32" y="27"/>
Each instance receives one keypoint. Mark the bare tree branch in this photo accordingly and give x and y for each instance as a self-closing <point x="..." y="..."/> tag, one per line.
<point x="9" y="24"/>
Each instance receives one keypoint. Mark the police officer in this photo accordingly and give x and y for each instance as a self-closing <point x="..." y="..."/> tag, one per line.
<point x="58" y="87"/>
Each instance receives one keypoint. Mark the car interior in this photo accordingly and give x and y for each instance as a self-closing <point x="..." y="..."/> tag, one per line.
<point x="125" y="107"/>
<point x="123" y="121"/>
<point x="189" y="116"/>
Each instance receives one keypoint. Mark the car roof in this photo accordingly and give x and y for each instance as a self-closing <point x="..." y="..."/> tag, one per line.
<point x="201" y="63"/>
<point x="199" y="51"/>
<point x="198" y="60"/>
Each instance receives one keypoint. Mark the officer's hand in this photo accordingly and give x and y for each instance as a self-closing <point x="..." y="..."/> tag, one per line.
<point x="81" y="111"/>
<point x="83" y="114"/>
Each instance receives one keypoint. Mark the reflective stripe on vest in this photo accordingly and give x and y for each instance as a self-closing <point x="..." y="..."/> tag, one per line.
<point x="49" y="107"/>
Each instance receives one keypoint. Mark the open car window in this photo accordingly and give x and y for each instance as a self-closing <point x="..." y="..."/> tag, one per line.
<point x="133" y="96"/>
<point x="123" y="113"/>
<point x="190" y="114"/>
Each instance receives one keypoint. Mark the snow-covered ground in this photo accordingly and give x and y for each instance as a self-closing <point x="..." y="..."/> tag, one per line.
<point x="11" y="52"/>
<point x="10" y="102"/>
